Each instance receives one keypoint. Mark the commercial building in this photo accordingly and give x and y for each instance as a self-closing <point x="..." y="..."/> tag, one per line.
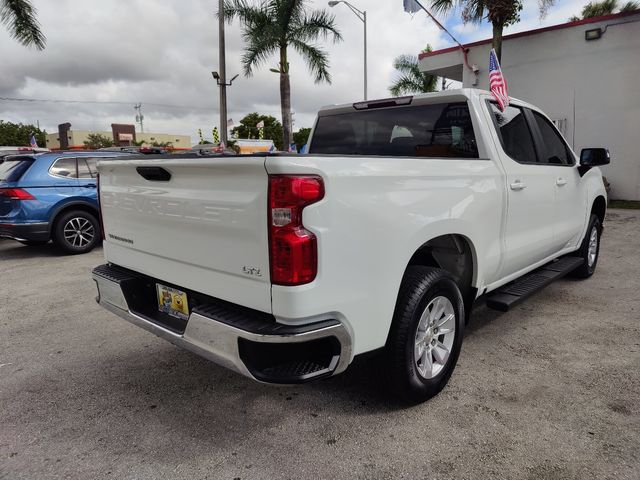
<point x="585" y="75"/>
<point x="124" y="135"/>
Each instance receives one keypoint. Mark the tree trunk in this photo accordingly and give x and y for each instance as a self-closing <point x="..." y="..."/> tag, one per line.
<point x="285" y="99"/>
<point x="496" y="42"/>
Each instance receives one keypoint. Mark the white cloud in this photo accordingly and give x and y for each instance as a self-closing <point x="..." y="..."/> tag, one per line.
<point x="163" y="52"/>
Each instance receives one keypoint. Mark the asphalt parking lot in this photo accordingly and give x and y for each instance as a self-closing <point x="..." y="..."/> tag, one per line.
<point x="549" y="390"/>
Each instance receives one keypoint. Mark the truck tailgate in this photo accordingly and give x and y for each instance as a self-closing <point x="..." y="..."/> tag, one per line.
<point x="205" y="228"/>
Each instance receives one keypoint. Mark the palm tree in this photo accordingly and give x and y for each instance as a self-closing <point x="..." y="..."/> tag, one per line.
<point x="605" y="7"/>
<point x="501" y="13"/>
<point x="271" y="27"/>
<point x="411" y="79"/>
<point x="19" y="17"/>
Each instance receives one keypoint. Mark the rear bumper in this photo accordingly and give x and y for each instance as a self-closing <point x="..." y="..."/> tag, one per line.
<point x="25" y="231"/>
<point x="246" y="341"/>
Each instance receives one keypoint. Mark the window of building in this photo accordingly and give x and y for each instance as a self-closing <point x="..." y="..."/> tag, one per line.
<point x="515" y="135"/>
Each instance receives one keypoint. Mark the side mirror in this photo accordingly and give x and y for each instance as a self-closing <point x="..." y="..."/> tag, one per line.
<point x="592" y="157"/>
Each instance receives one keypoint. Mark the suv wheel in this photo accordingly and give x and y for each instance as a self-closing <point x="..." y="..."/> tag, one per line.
<point x="76" y="231"/>
<point x="426" y="334"/>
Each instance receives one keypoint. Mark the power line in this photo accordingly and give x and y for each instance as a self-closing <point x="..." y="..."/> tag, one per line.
<point x="101" y="102"/>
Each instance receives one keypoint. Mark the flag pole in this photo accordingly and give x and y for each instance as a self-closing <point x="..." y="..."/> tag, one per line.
<point x="439" y="24"/>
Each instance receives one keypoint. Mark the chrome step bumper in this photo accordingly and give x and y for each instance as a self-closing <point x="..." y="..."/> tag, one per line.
<point x="222" y="335"/>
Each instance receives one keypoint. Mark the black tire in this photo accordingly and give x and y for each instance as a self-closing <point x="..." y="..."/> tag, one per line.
<point x="420" y="287"/>
<point x="588" y="267"/>
<point x="86" y="222"/>
<point x="33" y="243"/>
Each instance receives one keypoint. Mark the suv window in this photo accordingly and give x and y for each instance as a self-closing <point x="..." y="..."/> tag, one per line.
<point x="515" y="135"/>
<point x="93" y="166"/>
<point x="65" y="167"/>
<point x="557" y="152"/>
<point x="84" y="169"/>
<point x="12" y="169"/>
<point x="443" y="130"/>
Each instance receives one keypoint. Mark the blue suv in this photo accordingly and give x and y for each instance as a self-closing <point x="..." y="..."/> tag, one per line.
<point x="52" y="196"/>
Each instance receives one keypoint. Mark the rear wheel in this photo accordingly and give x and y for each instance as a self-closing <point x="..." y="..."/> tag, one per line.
<point x="76" y="231"/>
<point x="589" y="249"/>
<point x="426" y="334"/>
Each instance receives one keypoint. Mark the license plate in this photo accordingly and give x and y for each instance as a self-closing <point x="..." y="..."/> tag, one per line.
<point x="172" y="302"/>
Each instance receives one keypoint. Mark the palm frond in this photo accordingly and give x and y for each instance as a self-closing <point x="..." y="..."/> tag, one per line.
<point x="630" y="7"/>
<point x="444" y="6"/>
<point x="407" y="64"/>
<point x="403" y="85"/>
<point x="19" y="17"/>
<point x="316" y="59"/>
<point x="319" y="24"/>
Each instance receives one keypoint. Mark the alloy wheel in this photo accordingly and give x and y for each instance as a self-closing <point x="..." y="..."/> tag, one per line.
<point x="79" y="232"/>
<point x="434" y="337"/>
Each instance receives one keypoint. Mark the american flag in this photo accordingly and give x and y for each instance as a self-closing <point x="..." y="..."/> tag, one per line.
<point x="497" y="82"/>
<point x="32" y="141"/>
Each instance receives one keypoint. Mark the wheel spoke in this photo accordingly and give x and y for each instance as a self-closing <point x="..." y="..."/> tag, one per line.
<point x="441" y="353"/>
<point x="438" y="309"/>
<point x="444" y="320"/>
<point x="426" y="363"/>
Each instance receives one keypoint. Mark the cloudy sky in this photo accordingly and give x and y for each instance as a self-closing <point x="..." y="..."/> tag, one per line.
<point x="161" y="54"/>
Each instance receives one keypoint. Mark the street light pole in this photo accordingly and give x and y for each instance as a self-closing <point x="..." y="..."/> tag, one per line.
<point x="364" y="19"/>
<point x="362" y="16"/>
<point x="223" y="74"/>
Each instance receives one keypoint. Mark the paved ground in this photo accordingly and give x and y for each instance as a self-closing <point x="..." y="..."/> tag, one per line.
<point x="549" y="390"/>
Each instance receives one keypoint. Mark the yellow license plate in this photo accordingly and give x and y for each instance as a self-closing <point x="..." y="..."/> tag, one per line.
<point x="172" y="302"/>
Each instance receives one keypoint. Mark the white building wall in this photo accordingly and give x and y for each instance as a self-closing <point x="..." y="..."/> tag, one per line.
<point x="592" y="88"/>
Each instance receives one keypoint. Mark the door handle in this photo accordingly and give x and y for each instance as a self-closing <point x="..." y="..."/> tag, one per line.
<point x="517" y="185"/>
<point x="90" y="185"/>
<point x="561" y="181"/>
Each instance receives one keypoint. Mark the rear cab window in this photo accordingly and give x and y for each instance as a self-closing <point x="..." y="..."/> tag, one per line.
<point x="432" y="131"/>
<point x="13" y="168"/>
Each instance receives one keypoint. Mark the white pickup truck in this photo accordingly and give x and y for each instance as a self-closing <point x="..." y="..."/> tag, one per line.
<point x="404" y="212"/>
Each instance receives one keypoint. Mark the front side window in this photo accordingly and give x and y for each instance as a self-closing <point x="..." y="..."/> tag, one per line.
<point x="64" y="167"/>
<point x="557" y="152"/>
<point x="443" y="130"/>
<point x="516" y="137"/>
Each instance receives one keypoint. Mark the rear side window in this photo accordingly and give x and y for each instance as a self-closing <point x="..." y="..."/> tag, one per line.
<point x="12" y="169"/>
<point x="84" y="168"/>
<point x="556" y="150"/>
<point x="516" y="137"/>
<point x="64" y="167"/>
<point x="443" y="130"/>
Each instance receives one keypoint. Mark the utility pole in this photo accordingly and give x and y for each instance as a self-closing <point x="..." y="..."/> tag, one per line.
<point x="139" y="116"/>
<point x="223" y="74"/>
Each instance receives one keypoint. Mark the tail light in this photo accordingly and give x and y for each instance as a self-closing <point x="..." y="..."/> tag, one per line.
<point x="16" y="194"/>
<point x="99" y="206"/>
<point x="293" y="250"/>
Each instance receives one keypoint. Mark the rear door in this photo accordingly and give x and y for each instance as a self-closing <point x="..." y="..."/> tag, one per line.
<point x="530" y="187"/>
<point x="196" y="223"/>
<point x="87" y="172"/>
